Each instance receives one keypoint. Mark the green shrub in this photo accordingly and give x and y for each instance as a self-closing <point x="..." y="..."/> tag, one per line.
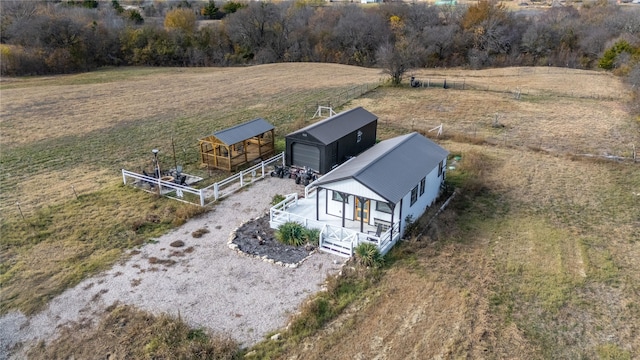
<point x="608" y="60"/>
<point x="369" y="255"/>
<point x="312" y="236"/>
<point x="293" y="233"/>
<point x="232" y="6"/>
<point x="277" y="198"/>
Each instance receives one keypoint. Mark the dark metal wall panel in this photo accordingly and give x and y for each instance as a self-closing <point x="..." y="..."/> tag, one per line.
<point x="356" y="142"/>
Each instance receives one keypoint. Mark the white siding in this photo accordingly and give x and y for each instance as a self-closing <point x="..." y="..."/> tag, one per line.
<point x="351" y="186"/>
<point x="431" y="192"/>
<point x="382" y="215"/>
<point x="335" y="207"/>
<point x="432" y="189"/>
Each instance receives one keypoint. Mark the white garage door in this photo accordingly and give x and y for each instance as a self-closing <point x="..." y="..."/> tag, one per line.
<point x="306" y="155"/>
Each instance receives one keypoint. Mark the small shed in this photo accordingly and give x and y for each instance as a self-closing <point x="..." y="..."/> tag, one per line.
<point x="328" y="143"/>
<point x="235" y="146"/>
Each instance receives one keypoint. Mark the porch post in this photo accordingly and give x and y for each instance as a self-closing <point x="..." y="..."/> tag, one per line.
<point x="393" y="212"/>
<point x="362" y="204"/>
<point x="400" y="219"/>
<point x="344" y="202"/>
<point x="318" y="204"/>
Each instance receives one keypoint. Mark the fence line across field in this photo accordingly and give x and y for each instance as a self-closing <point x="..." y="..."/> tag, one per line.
<point x="205" y="196"/>
<point x="514" y="91"/>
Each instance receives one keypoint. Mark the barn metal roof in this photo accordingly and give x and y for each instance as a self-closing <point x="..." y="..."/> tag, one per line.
<point x="241" y="132"/>
<point x="392" y="167"/>
<point x="333" y="128"/>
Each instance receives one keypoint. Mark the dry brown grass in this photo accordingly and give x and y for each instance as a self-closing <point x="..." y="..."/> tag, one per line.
<point x="134" y="334"/>
<point x="81" y="129"/>
<point x="572" y="111"/>
<point x="38" y="109"/>
<point x="537" y="258"/>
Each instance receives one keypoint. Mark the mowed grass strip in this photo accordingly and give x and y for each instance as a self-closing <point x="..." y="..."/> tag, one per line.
<point x="561" y="235"/>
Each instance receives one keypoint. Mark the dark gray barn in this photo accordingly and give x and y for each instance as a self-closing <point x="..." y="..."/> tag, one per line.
<point x="330" y="142"/>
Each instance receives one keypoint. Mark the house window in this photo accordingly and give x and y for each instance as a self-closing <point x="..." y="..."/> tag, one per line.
<point x="335" y="196"/>
<point x="383" y="207"/>
<point x="422" y="184"/>
<point x="414" y="195"/>
<point x="359" y="137"/>
<point x="440" y="167"/>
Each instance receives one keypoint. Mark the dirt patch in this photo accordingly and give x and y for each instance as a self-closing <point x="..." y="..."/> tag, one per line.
<point x="257" y="238"/>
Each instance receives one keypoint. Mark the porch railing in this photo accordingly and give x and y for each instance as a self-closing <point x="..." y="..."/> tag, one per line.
<point x="279" y="215"/>
<point x="334" y="239"/>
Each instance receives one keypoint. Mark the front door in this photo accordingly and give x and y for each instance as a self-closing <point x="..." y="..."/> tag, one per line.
<point x="362" y="210"/>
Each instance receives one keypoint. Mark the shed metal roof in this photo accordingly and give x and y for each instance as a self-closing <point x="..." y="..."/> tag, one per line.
<point x="333" y="128"/>
<point x="392" y="167"/>
<point x="241" y="132"/>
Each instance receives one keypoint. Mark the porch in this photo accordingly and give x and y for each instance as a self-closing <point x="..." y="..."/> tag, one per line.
<point x="334" y="237"/>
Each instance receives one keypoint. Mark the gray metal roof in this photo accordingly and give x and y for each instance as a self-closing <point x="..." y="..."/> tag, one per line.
<point x="339" y="125"/>
<point x="241" y="132"/>
<point x="392" y="167"/>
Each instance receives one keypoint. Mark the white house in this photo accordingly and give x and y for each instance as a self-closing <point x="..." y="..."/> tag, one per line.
<point x="370" y="197"/>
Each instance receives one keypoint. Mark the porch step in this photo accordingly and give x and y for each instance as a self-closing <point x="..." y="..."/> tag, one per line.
<point x="336" y="248"/>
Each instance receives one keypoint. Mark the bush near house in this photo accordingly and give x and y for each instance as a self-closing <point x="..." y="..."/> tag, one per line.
<point x="292" y="233"/>
<point x="369" y="255"/>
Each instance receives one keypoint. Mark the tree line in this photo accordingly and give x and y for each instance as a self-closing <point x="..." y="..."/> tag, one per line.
<point x="51" y="37"/>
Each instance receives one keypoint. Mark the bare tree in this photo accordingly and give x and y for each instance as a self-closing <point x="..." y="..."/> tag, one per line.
<point x="439" y="42"/>
<point x="252" y="30"/>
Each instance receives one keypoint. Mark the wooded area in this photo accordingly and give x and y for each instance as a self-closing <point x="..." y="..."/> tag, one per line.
<point x="40" y="37"/>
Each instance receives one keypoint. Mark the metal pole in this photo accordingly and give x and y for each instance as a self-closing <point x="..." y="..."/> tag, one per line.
<point x="175" y="161"/>
<point x="157" y="169"/>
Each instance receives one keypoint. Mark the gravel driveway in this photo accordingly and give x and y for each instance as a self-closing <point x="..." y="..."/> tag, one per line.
<point x="206" y="282"/>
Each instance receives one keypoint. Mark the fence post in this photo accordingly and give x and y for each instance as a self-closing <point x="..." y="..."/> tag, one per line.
<point x="262" y="168"/>
<point x="124" y="178"/>
<point x="241" y="178"/>
<point x="215" y="191"/>
<point x="201" y="198"/>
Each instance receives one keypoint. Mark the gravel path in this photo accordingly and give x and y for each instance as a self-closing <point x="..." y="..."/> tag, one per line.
<point x="204" y="281"/>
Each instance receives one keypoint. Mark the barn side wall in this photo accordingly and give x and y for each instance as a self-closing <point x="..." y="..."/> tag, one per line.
<point x="349" y="146"/>
<point x="334" y="154"/>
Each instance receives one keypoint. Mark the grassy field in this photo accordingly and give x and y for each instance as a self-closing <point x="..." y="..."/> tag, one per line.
<point x="536" y="257"/>
<point x="65" y="139"/>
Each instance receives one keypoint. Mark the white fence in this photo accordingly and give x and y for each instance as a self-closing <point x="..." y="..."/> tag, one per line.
<point x="207" y="195"/>
<point x="333" y="239"/>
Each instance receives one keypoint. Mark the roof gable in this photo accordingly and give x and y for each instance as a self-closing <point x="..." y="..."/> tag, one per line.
<point x="241" y="132"/>
<point x="333" y="128"/>
<point x="392" y="167"/>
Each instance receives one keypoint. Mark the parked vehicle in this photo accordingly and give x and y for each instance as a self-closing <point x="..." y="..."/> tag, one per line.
<point x="280" y="171"/>
<point x="305" y="176"/>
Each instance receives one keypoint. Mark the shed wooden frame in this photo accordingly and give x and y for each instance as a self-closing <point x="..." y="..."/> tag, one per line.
<point x="231" y="148"/>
